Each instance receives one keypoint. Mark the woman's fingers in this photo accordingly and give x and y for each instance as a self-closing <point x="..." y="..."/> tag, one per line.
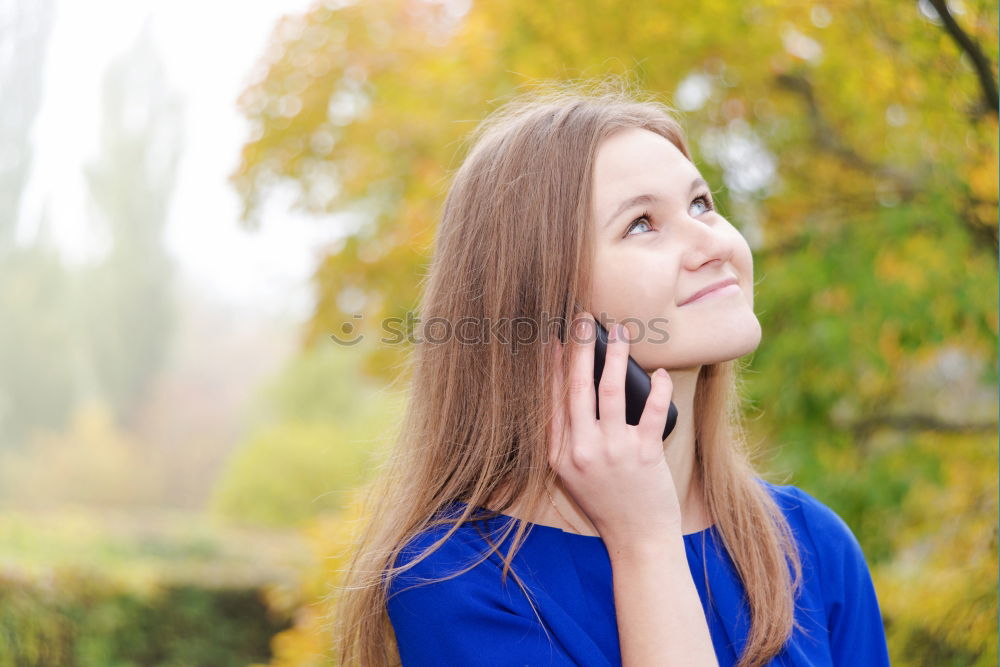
<point x="611" y="388"/>
<point x="654" y="413"/>
<point x="582" y="403"/>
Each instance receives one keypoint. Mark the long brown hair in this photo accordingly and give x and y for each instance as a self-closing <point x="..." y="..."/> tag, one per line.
<point x="515" y="243"/>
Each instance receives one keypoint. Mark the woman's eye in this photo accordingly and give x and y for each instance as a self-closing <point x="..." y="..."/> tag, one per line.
<point x="641" y="220"/>
<point x="704" y="202"/>
<point x="644" y="218"/>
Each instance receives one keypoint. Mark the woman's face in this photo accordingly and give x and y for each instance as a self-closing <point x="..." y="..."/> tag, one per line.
<point x="647" y="267"/>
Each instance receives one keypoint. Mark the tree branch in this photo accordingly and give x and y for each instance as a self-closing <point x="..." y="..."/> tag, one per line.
<point x="827" y="138"/>
<point x="984" y="69"/>
<point x="984" y="234"/>
<point x="863" y="428"/>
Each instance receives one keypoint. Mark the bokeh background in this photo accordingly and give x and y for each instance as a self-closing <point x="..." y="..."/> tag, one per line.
<point x="195" y="195"/>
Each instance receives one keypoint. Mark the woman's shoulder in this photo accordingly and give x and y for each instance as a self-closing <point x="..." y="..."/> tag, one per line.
<point x="449" y="550"/>
<point x="828" y="540"/>
<point x="452" y="606"/>
<point x="835" y="565"/>
<point x="807" y="512"/>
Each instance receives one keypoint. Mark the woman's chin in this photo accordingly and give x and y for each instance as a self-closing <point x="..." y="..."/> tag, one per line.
<point x="713" y="347"/>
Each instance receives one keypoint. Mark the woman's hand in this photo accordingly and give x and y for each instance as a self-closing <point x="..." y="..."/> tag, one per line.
<point x="617" y="473"/>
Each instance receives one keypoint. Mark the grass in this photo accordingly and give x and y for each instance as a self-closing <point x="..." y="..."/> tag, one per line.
<point x="148" y="546"/>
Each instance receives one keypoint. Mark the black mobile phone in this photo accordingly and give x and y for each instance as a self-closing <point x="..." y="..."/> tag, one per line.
<point x="637" y="385"/>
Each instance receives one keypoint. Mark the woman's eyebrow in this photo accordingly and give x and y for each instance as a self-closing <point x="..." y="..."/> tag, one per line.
<point x="649" y="199"/>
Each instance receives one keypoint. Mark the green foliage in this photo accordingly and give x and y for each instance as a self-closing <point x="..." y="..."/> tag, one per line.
<point x="141" y="550"/>
<point x="74" y="619"/>
<point x="940" y="588"/>
<point x="81" y="588"/>
<point x="317" y="428"/>
<point x="309" y="642"/>
<point x="288" y="473"/>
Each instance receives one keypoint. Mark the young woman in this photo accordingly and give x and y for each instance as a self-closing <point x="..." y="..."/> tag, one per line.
<point x="573" y="205"/>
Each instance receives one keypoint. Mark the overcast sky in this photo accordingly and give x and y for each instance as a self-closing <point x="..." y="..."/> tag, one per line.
<point x="208" y="49"/>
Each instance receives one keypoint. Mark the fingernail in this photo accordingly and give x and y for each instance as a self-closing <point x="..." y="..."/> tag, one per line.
<point x="581" y="327"/>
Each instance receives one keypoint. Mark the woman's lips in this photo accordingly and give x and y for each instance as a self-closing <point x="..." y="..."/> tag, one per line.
<point x="727" y="287"/>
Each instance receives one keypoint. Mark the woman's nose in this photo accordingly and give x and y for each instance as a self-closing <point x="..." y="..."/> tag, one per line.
<point x="706" y="242"/>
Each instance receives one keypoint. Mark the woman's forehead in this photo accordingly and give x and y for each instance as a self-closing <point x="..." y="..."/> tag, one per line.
<point x="635" y="163"/>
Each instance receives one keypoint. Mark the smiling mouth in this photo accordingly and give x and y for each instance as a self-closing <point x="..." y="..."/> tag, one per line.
<point x="722" y="287"/>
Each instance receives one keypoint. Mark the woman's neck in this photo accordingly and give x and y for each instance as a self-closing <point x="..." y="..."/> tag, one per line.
<point x="561" y="511"/>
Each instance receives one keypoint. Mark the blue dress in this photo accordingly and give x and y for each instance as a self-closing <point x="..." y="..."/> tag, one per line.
<point x="474" y="620"/>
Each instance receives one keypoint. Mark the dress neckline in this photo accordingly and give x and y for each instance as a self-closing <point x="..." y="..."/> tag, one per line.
<point x="582" y="537"/>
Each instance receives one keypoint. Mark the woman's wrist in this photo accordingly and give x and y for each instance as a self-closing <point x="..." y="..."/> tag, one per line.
<point x="661" y="549"/>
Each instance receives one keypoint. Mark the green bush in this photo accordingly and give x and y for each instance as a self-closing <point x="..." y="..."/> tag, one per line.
<point x="74" y="619"/>
<point x="315" y="431"/>
<point x="288" y="473"/>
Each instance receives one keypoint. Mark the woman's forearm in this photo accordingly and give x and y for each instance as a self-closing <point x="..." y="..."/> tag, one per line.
<point x="661" y="620"/>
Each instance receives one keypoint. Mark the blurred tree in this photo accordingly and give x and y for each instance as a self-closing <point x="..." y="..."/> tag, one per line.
<point x="128" y="310"/>
<point x="36" y="364"/>
<point x="69" y="336"/>
<point x="24" y="38"/>
<point x="857" y="143"/>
